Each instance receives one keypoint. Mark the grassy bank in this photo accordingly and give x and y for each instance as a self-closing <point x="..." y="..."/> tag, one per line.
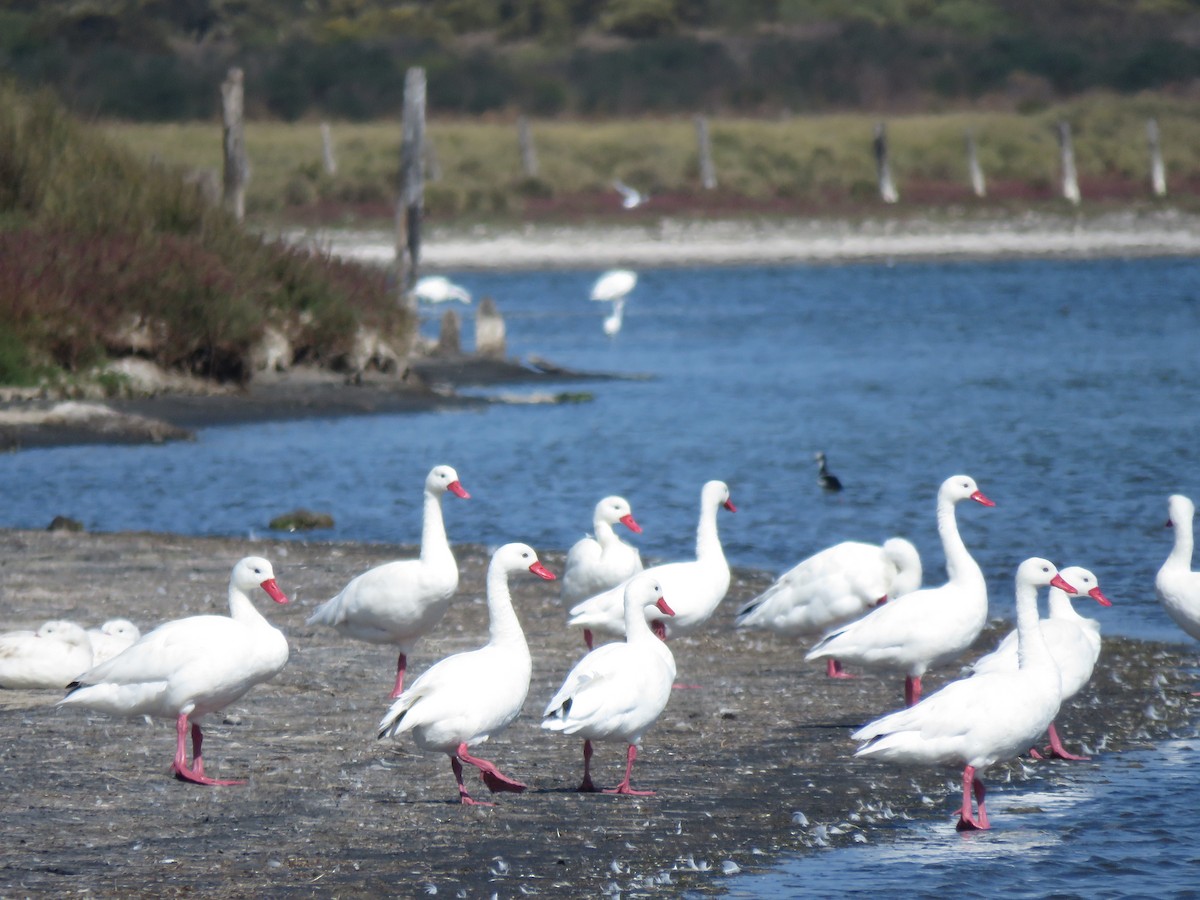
<point x="798" y="165"/>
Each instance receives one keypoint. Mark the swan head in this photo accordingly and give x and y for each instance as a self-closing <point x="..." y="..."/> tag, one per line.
<point x="716" y="493"/>
<point x="121" y="628"/>
<point x="614" y="510"/>
<point x="514" y="557"/>
<point x="443" y="478"/>
<point x="1180" y="511"/>
<point x="1038" y="572"/>
<point x="645" y="590"/>
<point x="962" y="487"/>
<point x="255" y="572"/>
<point x="66" y="632"/>
<point x="1086" y="584"/>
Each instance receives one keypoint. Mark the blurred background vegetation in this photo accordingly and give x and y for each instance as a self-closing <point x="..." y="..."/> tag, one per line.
<point x="345" y="59"/>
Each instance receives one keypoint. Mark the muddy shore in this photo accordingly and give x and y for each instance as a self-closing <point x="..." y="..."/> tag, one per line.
<point x="752" y="764"/>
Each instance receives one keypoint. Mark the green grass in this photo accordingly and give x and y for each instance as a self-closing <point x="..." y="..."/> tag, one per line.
<point x="808" y="160"/>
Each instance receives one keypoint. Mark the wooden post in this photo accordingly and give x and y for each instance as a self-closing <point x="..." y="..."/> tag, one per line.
<point x="887" y="189"/>
<point x="327" y="156"/>
<point x="490" y="340"/>
<point x="1066" y="152"/>
<point x="708" y="172"/>
<point x="1158" y="172"/>
<point x="412" y="184"/>
<point x="450" y="337"/>
<point x="237" y="169"/>
<point x="974" y="170"/>
<point x="529" y="160"/>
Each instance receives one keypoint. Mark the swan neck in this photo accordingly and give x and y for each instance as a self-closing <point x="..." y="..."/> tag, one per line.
<point x="708" y="542"/>
<point x="433" y="529"/>
<point x="1031" y="643"/>
<point x="959" y="563"/>
<point x="604" y="533"/>
<point x="1062" y="607"/>
<point x="1181" y="553"/>
<point x="636" y="626"/>
<point x="242" y="609"/>
<point x="503" y="625"/>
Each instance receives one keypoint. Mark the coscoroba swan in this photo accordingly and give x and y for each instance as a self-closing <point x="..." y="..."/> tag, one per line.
<point x="698" y="585"/>
<point x="1177" y="586"/>
<point x="618" y="690"/>
<point x="975" y="722"/>
<point x="111" y="638"/>
<point x="50" y="657"/>
<point x="838" y="585"/>
<point x="1074" y="642"/>
<point x="928" y="627"/>
<point x="603" y="560"/>
<point x="465" y="698"/>
<point x="188" y="668"/>
<point x="400" y="602"/>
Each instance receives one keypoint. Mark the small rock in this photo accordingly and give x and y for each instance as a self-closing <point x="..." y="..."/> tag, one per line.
<point x="63" y="523"/>
<point x="301" y="520"/>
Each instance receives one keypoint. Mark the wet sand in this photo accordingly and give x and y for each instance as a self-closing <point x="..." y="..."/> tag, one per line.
<point x="329" y="810"/>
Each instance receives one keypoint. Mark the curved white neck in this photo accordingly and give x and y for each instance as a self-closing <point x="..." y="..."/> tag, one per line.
<point x="1061" y="606"/>
<point x="1181" y="553"/>
<point x="1031" y="644"/>
<point x="960" y="566"/>
<point x="242" y="609"/>
<point x="637" y="629"/>
<point x="708" y="542"/>
<point x="604" y="534"/>
<point x="433" y="530"/>
<point x="503" y="625"/>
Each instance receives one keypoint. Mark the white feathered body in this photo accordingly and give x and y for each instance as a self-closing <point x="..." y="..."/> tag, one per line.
<point x="1177" y="586"/>
<point x="50" y="657"/>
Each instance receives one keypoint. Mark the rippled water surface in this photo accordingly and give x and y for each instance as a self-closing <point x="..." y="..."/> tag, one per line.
<point x="1069" y="390"/>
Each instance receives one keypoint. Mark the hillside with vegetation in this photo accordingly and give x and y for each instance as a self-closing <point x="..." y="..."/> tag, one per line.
<point x="103" y="255"/>
<point x="345" y="59"/>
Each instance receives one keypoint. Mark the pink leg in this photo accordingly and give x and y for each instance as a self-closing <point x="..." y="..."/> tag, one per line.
<point x="492" y="777"/>
<point x="463" y="797"/>
<point x="623" y="787"/>
<point x="833" y="669"/>
<point x="966" y="820"/>
<point x="180" y="767"/>
<point x="587" y="637"/>
<point x="1057" y="751"/>
<point x="912" y="690"/>
<point x="401" y="665"/>
<point x="587" y="787"/>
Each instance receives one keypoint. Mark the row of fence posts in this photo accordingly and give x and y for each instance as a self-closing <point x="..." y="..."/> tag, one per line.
<point x="417" y="162"/>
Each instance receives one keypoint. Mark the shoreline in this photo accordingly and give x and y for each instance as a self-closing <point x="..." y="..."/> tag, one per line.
<point x="330" y="810"/>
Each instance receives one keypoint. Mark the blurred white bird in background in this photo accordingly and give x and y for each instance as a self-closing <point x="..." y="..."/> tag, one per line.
<point x="439" y="289"/>
<point x="631" y="198"/>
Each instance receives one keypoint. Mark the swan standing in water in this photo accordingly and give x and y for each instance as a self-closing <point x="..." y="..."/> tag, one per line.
<point x="614" y="320"/>
<point x="928" y="627"/>
<point x="400" y="602"/>
<point x="978" y="721"/>
<point x="618" y="690"/>
<point x="1177" y="586"/>
<point x="188" y="668"/>
<point x="465" y="698"/>
<point x="1074" y="643"/>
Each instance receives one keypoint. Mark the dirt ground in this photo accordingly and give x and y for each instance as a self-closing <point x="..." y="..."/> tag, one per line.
<point x="754" y="763"/>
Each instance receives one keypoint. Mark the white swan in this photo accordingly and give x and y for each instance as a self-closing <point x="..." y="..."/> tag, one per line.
<point x="928" y="627"/>
<point x="631" y="198"/>
<point x="977" y="721"/>
<point x="603" y="560"/>
<point x="1074" y="642"/>
<point x="111" y="638"/>
<point x="465" y="698"/>
<point x="613" y="284"/>
<point x="1177" y="586"/>
<point x="614" y="320"/>
<point x="698" y="586"/>
<point x="400" y="602"/>
<point x="439" y="289"/>
<point x="835" y="586"/>
<point x="188" y="668"/>
<point x="618" y="690"/>
<point x="47" y="658"/>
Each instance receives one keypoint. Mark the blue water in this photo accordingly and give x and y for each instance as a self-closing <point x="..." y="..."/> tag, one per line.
<point x="1067" y="389"/>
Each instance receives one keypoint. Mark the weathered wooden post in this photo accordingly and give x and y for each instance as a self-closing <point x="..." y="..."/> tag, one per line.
<point x="412" y="185"/>
<point x="529" y="160"/>
<point x="1158" y="172"/>
<point x="1066" y="153"/>
<point x="708" y="172"/>
<point x="450" y="337"/>
<point x="237" y="168"/>
<point x="974" y="170"/>
<point x="490" y="337"/>
<point x="887" y="189"/>
<point x="327" y="157"/>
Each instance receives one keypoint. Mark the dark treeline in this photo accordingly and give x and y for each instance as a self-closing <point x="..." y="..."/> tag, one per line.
<point x="346" y="59"/>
